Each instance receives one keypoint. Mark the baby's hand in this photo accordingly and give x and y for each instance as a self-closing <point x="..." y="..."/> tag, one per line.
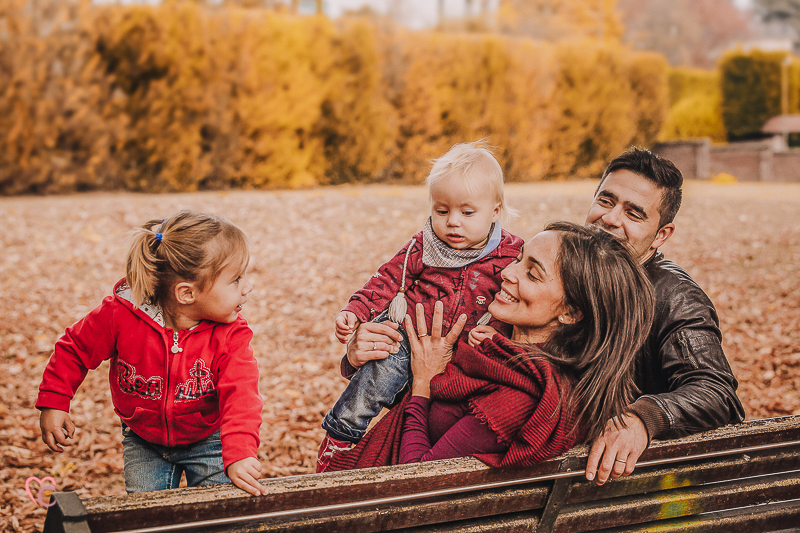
<point x="57" y="428"/>
<point x="346" y="324"/>
<point x="244" y="474"/>
<point x="479" y="333"/>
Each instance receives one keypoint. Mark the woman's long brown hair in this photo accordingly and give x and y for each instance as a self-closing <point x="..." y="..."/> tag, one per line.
<point x="606" y="287"/>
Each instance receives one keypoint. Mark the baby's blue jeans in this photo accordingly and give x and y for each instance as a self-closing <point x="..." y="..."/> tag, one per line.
<point x="377" y="384"/>
<point x="149" y="466"/>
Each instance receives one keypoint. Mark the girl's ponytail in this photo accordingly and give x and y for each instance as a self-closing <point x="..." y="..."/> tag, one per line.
<point x="141" y="264"/>
<point x="188" y="246"/>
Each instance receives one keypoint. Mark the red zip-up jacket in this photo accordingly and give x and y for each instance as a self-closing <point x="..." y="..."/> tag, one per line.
<point x="170" y="399"/>
<point x="469" y="289"/>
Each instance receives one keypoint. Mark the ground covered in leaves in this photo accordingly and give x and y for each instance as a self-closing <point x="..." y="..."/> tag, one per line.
<point x="59" y="256"/>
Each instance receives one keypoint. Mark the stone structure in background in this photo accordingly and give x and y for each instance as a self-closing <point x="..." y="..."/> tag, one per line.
<point x="764" y="160"/>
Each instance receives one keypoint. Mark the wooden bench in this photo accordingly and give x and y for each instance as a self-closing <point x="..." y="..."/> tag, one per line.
<point x="745" y="477"/>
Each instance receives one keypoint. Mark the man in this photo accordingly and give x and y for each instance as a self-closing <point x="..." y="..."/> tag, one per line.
<point x="686" y="382"/>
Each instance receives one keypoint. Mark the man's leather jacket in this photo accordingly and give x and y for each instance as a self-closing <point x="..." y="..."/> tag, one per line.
<point x="683" y="375"/>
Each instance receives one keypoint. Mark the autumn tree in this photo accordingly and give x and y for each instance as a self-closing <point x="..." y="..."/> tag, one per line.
<point x="555" y="20"/>
<point x="687" y="32"/>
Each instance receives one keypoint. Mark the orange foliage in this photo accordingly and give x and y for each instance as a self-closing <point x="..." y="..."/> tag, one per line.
<point x="608" y="98"/>
<point x="561" y="20"/>
<point x="56" y="120"/>
<point x="182" y="97"/>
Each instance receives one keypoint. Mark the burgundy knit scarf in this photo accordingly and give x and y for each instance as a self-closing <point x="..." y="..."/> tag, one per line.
<point x="518" y="399"/>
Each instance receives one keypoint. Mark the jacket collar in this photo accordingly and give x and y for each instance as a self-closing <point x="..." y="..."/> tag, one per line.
<point x="150" y="313"/>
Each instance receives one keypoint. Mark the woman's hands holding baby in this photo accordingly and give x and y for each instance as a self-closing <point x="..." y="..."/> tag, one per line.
<point x="430" y="353"/>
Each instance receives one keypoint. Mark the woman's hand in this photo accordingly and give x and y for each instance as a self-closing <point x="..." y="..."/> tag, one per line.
<point x="430" y="353"/>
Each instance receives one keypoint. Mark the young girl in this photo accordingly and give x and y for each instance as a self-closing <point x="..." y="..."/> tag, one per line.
<point x="183" y="376"/>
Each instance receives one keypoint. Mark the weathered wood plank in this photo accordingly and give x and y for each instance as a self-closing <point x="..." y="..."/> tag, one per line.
<point x="778" y="517"/>
<point x="296" y="493"/>
<point x="462" y="483"/>
<point x="526" y="522"/>
<point x="393" y="517"/>
<point x="678" y="502"/>
<point x="693" y="473"/>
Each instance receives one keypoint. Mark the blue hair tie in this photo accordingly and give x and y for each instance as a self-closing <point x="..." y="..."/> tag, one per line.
<point x="158" y="237"/>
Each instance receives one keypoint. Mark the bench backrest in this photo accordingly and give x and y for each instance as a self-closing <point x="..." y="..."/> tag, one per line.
<point x="745" y="476"/>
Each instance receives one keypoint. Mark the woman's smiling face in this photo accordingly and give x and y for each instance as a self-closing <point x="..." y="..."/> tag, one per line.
<point x="531" y="296"/>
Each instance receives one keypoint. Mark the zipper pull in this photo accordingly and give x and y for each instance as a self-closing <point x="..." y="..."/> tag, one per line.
<point x="175" y="348"/>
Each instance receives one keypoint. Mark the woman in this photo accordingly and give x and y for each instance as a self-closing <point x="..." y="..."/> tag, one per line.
<point x="580" y="307"/>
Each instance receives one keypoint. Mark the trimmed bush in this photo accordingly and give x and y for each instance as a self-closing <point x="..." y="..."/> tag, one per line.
<point x="184" y="97"/>
<point x="751" y="90"/>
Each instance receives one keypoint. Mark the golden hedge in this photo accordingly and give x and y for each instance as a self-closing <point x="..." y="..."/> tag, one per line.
<point x="181" y="97"/>
<point x="695" y="105"/>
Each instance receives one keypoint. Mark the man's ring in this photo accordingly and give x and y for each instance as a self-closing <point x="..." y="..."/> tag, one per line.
<point x="374" y="346"/>
<point x="619" y="461"/>
<point x="422" y="335"/>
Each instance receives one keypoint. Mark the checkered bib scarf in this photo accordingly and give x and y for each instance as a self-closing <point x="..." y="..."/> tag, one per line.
<point x="436" y="253"/>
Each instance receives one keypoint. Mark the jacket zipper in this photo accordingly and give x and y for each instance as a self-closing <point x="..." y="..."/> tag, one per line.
<point x="687" y="350"/>
<point x="175" y="349"/>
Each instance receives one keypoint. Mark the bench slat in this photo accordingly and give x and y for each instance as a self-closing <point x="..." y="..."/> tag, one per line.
<point x="395" y="517"/>
<point x="685" y="475"/>
<point x="779" y="516"/>
<point x="679" y="502"/>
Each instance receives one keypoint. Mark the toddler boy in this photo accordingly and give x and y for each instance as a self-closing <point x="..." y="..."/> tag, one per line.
<point x="456" y="259"/>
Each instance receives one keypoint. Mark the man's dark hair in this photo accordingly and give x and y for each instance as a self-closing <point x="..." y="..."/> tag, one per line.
<point x="658" y="170"/>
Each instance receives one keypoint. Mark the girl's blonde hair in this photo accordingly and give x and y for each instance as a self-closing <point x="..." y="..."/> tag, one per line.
<point x="472" y="162"/>
<point x="189" y="246"/>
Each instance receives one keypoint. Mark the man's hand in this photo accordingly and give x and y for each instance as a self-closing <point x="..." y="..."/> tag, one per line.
<point x="57" y="428"/>
<point x="478" y="333"/>
<point x="346" y="323"/>
<point x="619" y="448"/>
<point x="373" y="341"/>
<point x="244" y="474"/>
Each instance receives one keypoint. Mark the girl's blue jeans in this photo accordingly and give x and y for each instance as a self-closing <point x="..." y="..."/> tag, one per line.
<point x="377" y="384"/>
<point x="150" y="467"/>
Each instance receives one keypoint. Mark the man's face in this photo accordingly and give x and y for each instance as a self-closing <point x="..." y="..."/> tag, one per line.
<point x="626" y="205"/>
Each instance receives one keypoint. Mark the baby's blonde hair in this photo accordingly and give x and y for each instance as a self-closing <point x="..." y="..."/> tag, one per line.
<point x="472" y="162"/>
<point x="189" y="246"/>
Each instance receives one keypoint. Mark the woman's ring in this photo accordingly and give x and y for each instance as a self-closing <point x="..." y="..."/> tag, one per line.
<point x="422" y="335"/>
<point x="623" y="462"/>
<point x="374" y="346"/>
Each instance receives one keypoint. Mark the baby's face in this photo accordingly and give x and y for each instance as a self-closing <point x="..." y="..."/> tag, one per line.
<point x="460" y="218"/>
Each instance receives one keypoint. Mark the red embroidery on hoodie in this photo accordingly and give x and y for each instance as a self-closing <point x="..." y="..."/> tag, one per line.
<point x="147" y="388"/>
<point x="199" y="385"/>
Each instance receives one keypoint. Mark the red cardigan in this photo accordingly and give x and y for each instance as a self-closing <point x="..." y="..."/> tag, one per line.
<point x="469" y="289"/>
<point x="170" y="399"/>
<point x="524" y="400"/>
